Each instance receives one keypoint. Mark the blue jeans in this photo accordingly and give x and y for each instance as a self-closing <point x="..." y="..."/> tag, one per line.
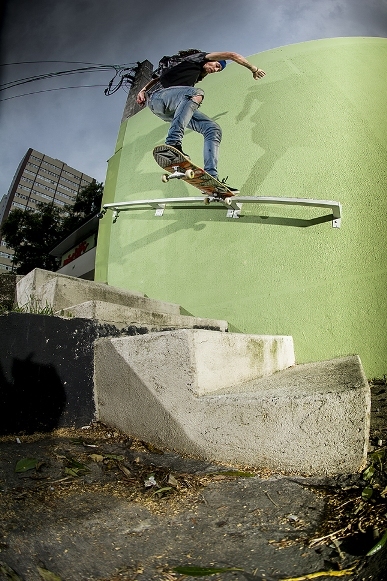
<point x="175" y="105"/>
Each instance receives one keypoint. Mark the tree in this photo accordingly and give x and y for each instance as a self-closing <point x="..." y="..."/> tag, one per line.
<point x="32" y="235"/>
<point x="87" y="204"/>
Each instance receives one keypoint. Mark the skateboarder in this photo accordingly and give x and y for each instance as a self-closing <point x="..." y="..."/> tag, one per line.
<point x="174" y="98"/>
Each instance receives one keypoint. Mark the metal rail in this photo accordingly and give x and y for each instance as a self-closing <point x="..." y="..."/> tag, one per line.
<point x="233" y="205"/>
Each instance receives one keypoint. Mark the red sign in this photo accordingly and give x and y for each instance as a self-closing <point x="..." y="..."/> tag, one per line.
<point x="78" y="251"/>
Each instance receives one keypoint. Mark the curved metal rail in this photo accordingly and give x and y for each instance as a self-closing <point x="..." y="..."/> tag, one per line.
<point x="233" y="205"/>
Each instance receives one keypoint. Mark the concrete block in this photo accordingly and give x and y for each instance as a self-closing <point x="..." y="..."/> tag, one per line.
<point x="209" y="394"/>
<point x="122" y="317"/>
<point x="61" y="291"/>
<point x="47" y="366"/>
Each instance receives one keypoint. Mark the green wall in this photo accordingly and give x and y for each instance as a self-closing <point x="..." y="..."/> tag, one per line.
<point x="314" y="127"/>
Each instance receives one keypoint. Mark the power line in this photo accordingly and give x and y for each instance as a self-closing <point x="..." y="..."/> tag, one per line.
<point x="22" y="81"/>
<point x="124" y="77"/>
<point x="49" y="90"/>
<point x="67" y="62"/>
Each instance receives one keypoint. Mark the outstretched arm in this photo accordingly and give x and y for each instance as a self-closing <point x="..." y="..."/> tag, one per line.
<point x="237" y="58"/>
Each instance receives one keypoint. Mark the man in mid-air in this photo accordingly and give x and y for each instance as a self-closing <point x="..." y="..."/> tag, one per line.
<point x="173" y="97"/>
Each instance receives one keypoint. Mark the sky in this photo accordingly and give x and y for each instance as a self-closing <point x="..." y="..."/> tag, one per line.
<point x="79" y="126"/>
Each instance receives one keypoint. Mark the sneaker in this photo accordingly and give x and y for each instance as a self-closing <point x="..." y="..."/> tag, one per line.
<point x="179" y="148"/>
<point x="232" y="190"/>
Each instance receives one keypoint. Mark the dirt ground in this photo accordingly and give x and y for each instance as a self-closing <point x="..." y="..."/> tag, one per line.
<point x="96" y="505"/>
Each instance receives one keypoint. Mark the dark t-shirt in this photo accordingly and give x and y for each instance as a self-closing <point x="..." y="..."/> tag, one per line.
<point x="186" y="73"/>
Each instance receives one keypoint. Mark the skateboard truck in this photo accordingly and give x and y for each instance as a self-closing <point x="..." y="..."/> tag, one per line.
<point x="218" y="198"/>
<point x="189" y="174"/>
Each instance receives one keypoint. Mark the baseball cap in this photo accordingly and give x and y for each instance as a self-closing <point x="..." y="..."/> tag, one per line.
<point x="222" y="64"/>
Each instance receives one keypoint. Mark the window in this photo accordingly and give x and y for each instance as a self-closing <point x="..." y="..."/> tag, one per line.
<point x="70" y="175"/>
<point x="26" y="188"/>
<point x="42" y="177"/>
<point x="71" y="198"/>
<point x="69" y="182"/>
<point x="22" y="196"/>
<point x="45" y="187"/>
<point x="67" y="189"/>
<point x="36" y="158"/>
<point x="33" y="165"/>
<point x="51" y="165"/>
<point x="42" y="195"/>
<point x="51" y="173"/>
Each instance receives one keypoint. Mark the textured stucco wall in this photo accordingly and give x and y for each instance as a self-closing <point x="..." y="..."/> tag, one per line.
<point x="314" y="127"/>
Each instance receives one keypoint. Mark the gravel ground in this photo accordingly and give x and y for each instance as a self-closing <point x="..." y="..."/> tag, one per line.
<point x="97" y="505"/>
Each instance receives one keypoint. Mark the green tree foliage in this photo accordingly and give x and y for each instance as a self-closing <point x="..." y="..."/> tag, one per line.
<point x="32" y="235"/>
<point x="87" y="204"/>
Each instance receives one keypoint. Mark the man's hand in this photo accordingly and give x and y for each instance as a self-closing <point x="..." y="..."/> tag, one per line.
<point x="258" y="74"/>
<point x="141" y="98"/>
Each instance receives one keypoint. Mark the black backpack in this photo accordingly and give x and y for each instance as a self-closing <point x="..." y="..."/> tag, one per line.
<point x="167" y="62"/>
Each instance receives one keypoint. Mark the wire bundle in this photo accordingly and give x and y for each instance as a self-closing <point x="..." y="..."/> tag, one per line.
<point x="123" y="77"/>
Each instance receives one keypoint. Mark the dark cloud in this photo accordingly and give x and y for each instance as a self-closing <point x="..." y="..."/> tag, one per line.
<point x="79" y="126"/>
<point x="368" y="18"/>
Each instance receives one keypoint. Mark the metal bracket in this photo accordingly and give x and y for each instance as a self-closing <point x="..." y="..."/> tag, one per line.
<point x="231" y="213"/>
<point x="336" y="223"/>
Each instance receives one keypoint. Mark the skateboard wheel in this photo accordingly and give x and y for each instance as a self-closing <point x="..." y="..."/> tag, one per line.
<point x="165" y="178"/>
<point x="190" y="174"/>
<point x="229" y="201"/>
<point x="206" y="200"/>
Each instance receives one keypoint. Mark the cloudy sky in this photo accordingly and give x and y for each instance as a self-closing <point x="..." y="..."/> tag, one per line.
<point x="79" y="125"/>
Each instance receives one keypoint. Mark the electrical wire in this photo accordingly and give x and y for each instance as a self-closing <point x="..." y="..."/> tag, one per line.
<point x="49" y="90"/>
<point x="124" y="76"/>
<point x="66" y="62"/>
<point x="16" y="83"/>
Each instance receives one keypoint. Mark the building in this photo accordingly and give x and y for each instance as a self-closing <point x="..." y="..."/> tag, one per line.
<point x="39" y="178"/>
<point x="315" y="127"/>
<point x="76" y="252"/>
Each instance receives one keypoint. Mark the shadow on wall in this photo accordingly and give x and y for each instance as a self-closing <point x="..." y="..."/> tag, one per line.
<point x="301" y="113"/>
<point x="46" y="372"/>
<point x="33" y="400"/>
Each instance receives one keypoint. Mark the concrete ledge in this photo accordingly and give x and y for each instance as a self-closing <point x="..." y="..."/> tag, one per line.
<point x="61" y="291"/>
<point x="193" y="392"/>
<point x="121" y="317"/>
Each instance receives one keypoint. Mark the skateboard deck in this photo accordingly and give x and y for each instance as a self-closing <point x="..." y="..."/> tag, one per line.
<point x="181" y="167"/>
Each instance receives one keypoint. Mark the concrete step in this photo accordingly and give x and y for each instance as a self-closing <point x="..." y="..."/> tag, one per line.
<point x="60" y="291"/>
<point x="237" y="399"/>
<point x="122" y="317"/>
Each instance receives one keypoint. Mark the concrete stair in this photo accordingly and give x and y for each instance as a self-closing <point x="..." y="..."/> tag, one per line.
<point x="227" y="397"/>
<point x="237" y="399"/>
<point x="74" y="297"/>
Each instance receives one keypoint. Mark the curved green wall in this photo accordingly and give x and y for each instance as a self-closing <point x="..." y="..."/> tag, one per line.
<point x="314" y="127"/>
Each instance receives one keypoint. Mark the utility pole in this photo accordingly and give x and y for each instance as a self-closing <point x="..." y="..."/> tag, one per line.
<point x="142" y="77"/>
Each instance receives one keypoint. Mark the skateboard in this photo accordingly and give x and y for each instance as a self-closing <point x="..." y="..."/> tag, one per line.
<point x="182" y="168"/>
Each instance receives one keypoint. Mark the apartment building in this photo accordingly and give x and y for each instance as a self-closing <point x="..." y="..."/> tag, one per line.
<point x="39" y="178"/>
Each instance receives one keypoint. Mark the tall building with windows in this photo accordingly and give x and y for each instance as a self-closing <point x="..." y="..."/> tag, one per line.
<point x="39" y="178"/>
